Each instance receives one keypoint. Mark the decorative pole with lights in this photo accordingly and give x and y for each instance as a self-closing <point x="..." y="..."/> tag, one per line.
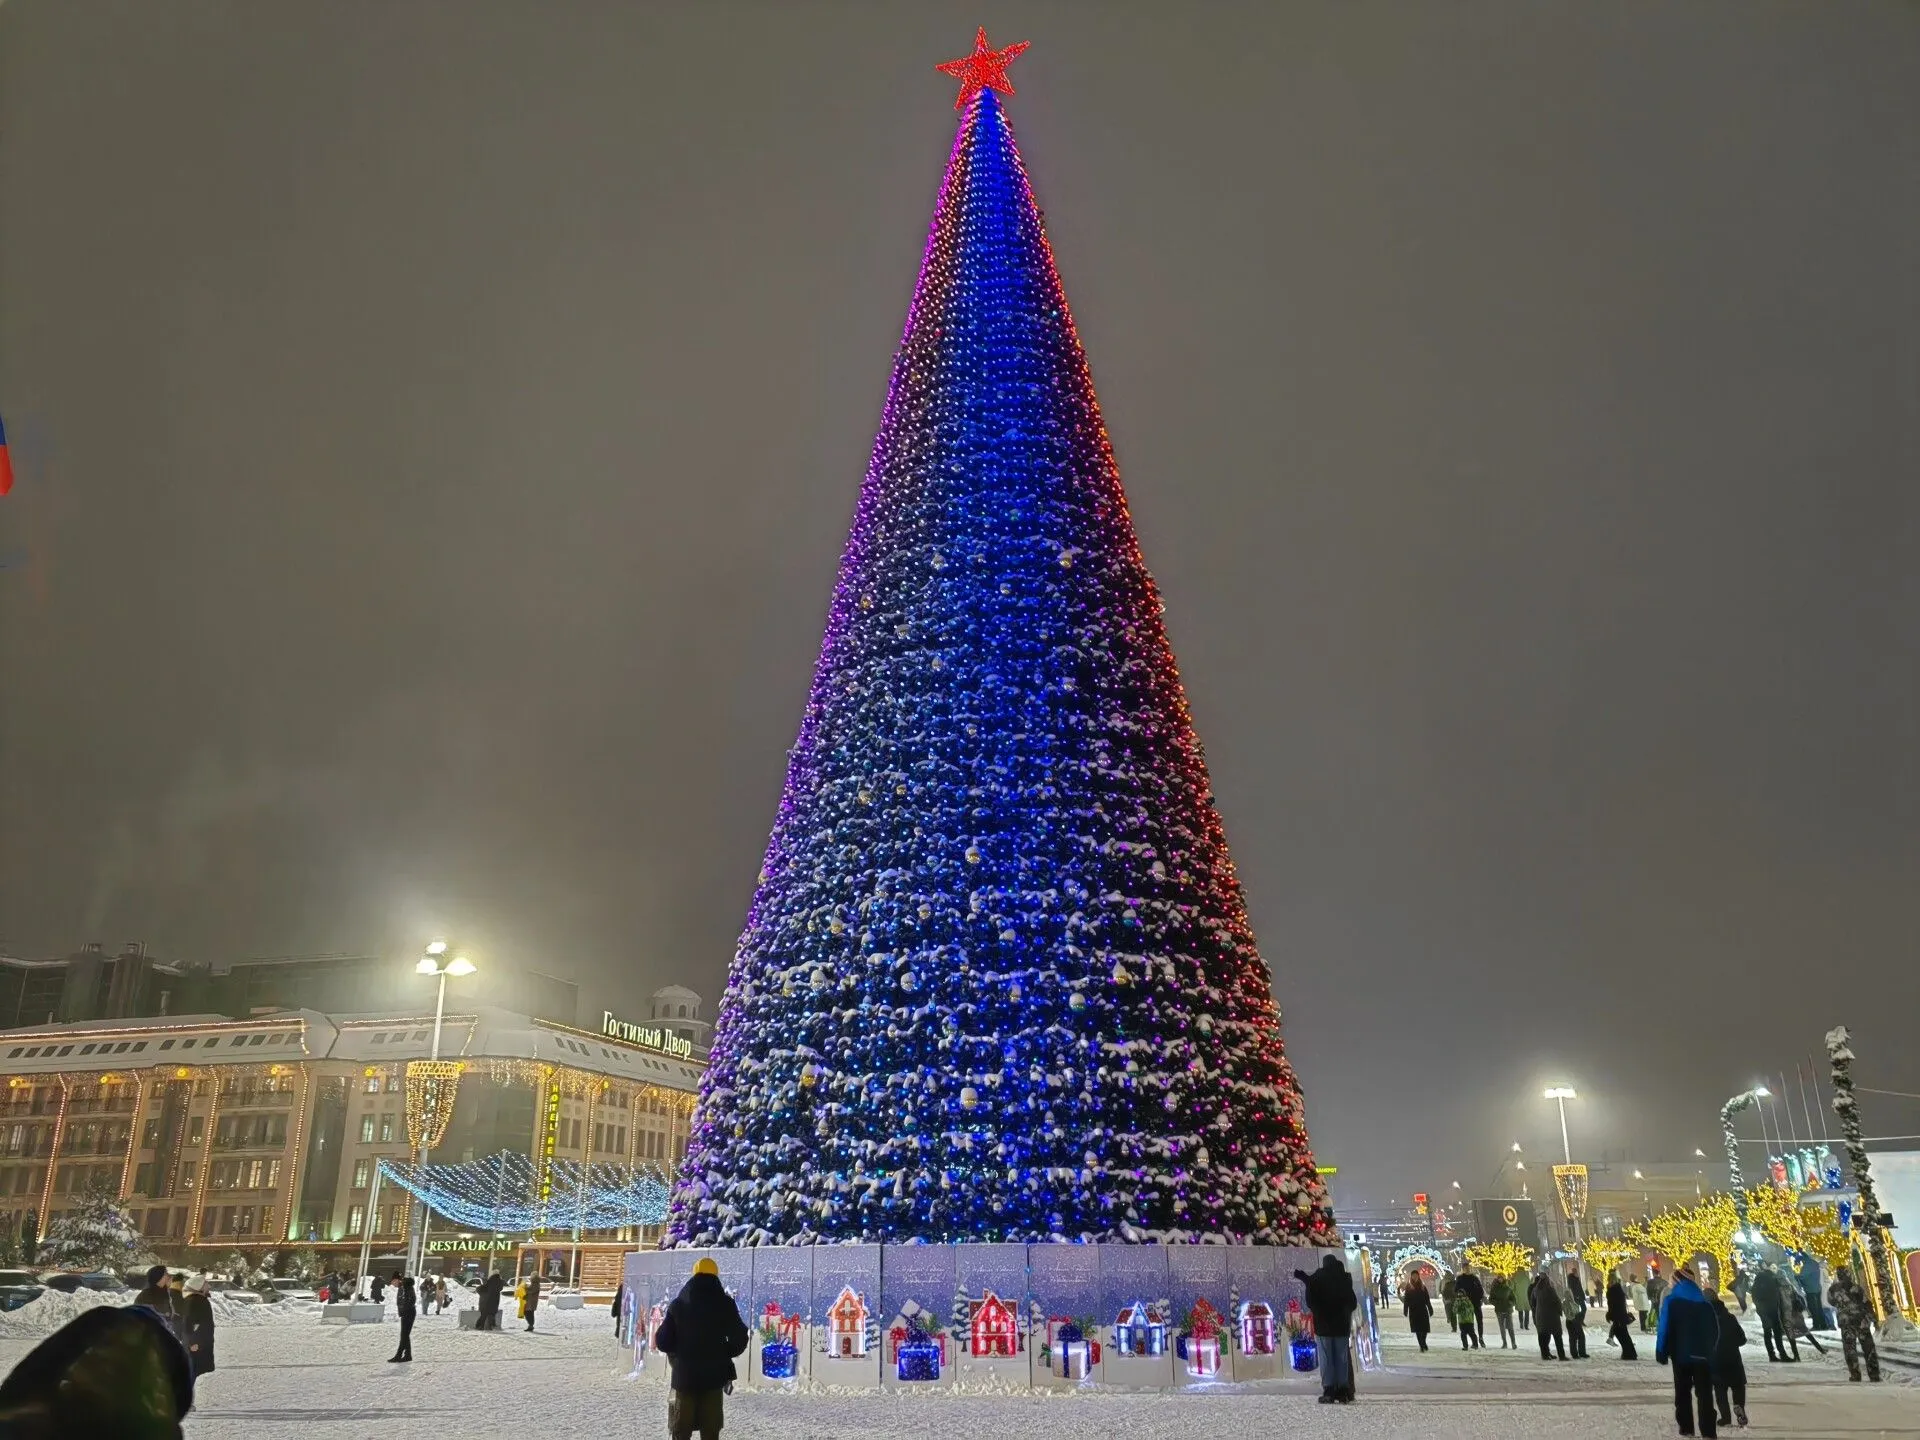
<point x="1735" y="1104"/>
<point x="426" y="1112"/>
<point x="1569" y="1179"/>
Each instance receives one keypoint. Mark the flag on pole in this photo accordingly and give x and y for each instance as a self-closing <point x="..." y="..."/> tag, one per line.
<point x="6" y="462"/>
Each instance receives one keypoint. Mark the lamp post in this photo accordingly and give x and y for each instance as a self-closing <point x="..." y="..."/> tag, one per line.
<point x="1735" y="1104"/>
<point x="435" y="963"/>
<point x="1560" y="1094"/>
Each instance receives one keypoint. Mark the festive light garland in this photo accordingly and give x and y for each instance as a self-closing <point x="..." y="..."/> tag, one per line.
<point x="997" y="981"/>
<point x="432" y="1087"/>
<point x="1605" y="1254"/>
<point x="1682" y="1232"/>
<point x="502" y="1193"/>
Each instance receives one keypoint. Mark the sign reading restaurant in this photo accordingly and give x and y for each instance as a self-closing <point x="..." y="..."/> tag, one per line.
<point x="650" y="1036"/>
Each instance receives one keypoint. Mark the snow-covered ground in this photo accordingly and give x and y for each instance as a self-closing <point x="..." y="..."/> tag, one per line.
<point x="288" y="1375"/>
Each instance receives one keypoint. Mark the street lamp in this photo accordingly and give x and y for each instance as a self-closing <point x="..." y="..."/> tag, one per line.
<point x="1735" y="1104"/>
<point x="434" y="963"/>
<point x="1563" y="1093"/>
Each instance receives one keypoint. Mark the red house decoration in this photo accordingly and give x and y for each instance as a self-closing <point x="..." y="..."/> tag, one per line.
<point x="990" y="1329"/>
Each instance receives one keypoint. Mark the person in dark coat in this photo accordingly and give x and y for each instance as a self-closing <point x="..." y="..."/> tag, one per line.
<point x="619" y="1294"/>
<point x="196" y="1325"/>
<point x="110" y="1371"/>
<point x="1656" y="1287"/>
<point x="1620" y="1317"/>
<point x="1469" y="1285"/>
<point x="1770" y="1299"/>
<point x="1331" y="1302"/>
<point x="700" y="1335"/>
<point x="1543" y="1299"/>
<point x="532" y="1301"/>
<point x="160" y="1298"/>
<point x="1576" y="1314"/>
<point x="1419" y="1306"/>
<point x="1855" y="1318"/>
<point x="1729" y="1370"/>
<point x="1797" y="1327"/>
<point x="378" y="1294"/>
<point x="490" y="1289"/>
<point x="1686" y="1338"/>
<point x="405" y="1300"/>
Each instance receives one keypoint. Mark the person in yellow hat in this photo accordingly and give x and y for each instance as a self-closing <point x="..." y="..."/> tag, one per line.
<point x="700" y="1335"/>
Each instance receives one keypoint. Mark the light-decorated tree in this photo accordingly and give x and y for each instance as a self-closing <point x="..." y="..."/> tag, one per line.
<point x="1605" y="1253"/>
<point x="1804" y="1229"/>
<point x="1682" y="1232"/>
<point x="1501" y="1258"/>
<point x="997" y="981"/>
<point x="98" y="1233"/>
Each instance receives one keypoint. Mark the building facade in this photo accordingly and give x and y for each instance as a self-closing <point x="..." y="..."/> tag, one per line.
<point x="264" y="1133"/>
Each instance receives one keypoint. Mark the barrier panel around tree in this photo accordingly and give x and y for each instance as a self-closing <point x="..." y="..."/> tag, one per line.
<point x="1050" y="1316"/>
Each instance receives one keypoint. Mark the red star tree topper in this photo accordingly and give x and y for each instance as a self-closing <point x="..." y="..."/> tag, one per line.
<point x="984" y="69"/>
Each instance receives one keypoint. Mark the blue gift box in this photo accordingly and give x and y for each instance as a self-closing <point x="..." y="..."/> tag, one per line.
<point x="920" y="1359"/>
<point x="777" y="1360"/>
<point x="1306" y="1354"/>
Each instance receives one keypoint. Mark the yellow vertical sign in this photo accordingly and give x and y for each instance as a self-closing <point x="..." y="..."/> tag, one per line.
<point x="549" y="1141"/>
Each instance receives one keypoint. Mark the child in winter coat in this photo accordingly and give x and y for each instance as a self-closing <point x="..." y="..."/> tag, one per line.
<point x="1463" y="1318"/>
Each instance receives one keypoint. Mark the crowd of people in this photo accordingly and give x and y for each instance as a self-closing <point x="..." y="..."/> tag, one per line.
<point x="1695" y="1331"/>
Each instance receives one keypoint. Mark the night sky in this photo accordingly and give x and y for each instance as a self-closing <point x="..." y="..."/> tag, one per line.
<point x="437" y="428"/>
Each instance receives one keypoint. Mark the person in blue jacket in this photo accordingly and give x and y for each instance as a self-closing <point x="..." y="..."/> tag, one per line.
<point x="1686" y="1338"/>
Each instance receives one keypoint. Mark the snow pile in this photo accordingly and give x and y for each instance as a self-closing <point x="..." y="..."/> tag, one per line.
<point x="52" y="1310"/>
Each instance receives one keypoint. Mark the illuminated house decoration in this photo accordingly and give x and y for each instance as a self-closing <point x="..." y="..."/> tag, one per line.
<point x="991" y="1328"/>
<point x="996" y="819"/>
<point x="1257" y="1329"/>
<point x="847" y="1326"/>
<point x="1203" y="1341"/>
<point x="1140" y="1330"/>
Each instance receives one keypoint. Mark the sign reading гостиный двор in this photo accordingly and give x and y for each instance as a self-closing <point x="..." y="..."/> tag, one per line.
<point x="651" y="1036"/>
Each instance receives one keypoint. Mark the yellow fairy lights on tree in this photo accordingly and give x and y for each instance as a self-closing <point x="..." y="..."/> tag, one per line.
<point x="1502" y="1258"/>
<point x="1806" y="1229"/>
<point x="1704" y="1229"/>
<point x="1604" y="1255"/>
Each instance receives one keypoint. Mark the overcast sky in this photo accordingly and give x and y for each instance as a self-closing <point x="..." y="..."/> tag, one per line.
<point x="437" y="427"/>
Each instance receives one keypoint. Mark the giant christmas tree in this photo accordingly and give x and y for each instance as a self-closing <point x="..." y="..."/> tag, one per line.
<point x="997" y="981"/>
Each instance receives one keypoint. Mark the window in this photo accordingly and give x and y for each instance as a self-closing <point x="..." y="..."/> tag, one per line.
<point x="257" y="1040"/>
<point x="273" y="1175"/>
<point x="379" y="1039"/>
<point x="122" y="1047"/>
<point x="188" y="1170"/>
<point x="188" y="1043"/>
<point x="138" y="1046"/>
<point x="389" y="1219"/>
<point x="372" y="1087"/>
<point x="393" y="1084"/>
<point x="166" y="1044"/>
<point x="209" y="1042"/>
<point x="366" y="1129"/>
<point x="35" y="1050"/>
<point x="196" y="1127"/>
<point x="386" y="1128"/>
<point x="156" y="1221"/>
<point x="362" y="1174"/>
<point x="14" y="1054"/>
<point x="86" y="1049"/>
<point x="356" y="1219"/>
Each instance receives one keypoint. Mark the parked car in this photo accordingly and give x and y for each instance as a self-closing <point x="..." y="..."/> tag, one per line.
<point x="272" y="1291"/>
<point x="240" y="1294"/>
<point x="68" y="1281"/>
<point x="19" y="1287"/>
